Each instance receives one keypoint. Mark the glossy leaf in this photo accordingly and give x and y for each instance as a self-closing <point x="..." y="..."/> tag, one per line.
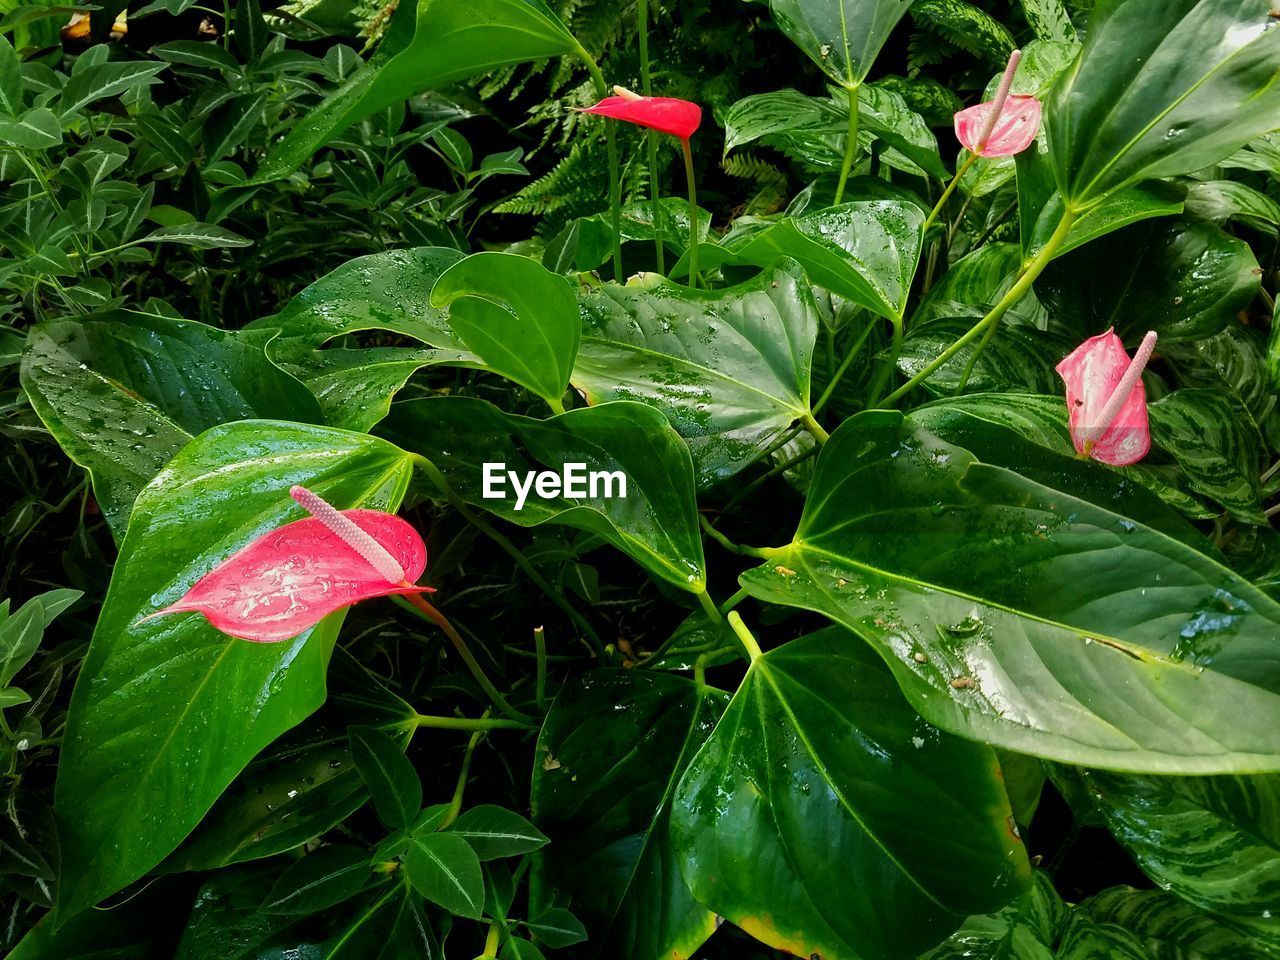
<point x="1213" y="841"/>
<point x="444" y="869"/>
<point x="1185" y="279"/>
<point x="321" y="879"/>
<point x="1170" y="927"/>
<point x="1074" y="633"/>
<point x="609" y="756"/>
<point x="865" y="251"/>
<point x="1020" y="358"/>
<point x="1162" y="88"/>
<point x="516" y="316"/>
<point x="495" y="832"/>
<point x="166" y="712"/>
<point x="1026" y="929"/>
<point x="655" y="523"/>
<point x="820" y="780"/>
<point x="729" y="368"/>
<point x="392" y="781"/>
<point x="124" y="392"/>
<point x="430" y="44"/>
<point x="843" y="37"/>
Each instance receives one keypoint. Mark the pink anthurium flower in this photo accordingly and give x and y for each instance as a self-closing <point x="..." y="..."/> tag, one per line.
<point x="1003" y="126"/>
<point x="1106" y="401"/>
<point x="291" y="578"/>
<point x="680" y="118"/>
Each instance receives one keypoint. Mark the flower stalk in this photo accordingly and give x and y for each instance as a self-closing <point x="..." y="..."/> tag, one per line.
<point x="850" y="145"/>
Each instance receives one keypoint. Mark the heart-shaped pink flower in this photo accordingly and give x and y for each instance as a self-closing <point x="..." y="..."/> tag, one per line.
<point x="680" y="118"/>
<point x="1014" y="129"/>
<point x="288" y="580"/>
<point x="1106" y="401"/>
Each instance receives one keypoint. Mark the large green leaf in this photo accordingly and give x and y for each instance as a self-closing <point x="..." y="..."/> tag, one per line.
<point x="865" y="251"/>
<point x="656" y="522"/>
<point x="166" y="712"/>
<point x="729" y="368"/>
<point x="823" y="817"/>
<point x="1017" y="612"/>
<point x="609" y="756"/>
<point x="430" y="44"/>
<point x="517" y="316"/>
<point x="301" y="785"/>
<point x="124" y="392"/>
<point x="1213" y="841"/>
<point x="384" y="293"/>
<point x="1162" y="87"/>
<point x="1172" y="929"/>
<point x="1020" y="359"/>
<point x="843" y="37"/>
<point x="1026" y="929"/>
<point x="1184" y="278"/>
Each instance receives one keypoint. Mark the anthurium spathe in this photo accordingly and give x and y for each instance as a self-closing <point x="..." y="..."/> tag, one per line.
<point x="291" y="578"/>
<point x="1106" y="401"/>
<point x="680" y="118"/>
<point x="1003" y="126"/>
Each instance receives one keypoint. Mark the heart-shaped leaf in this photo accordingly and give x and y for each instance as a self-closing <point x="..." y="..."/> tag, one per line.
<point x="820" y="780"/>
<point x="167" y="711"/>
<point x="1016" y="612"/>
<point x="843" y="37"/>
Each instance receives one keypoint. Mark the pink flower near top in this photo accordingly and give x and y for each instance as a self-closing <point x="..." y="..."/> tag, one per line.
<point x="1003" y="126"/>
<point x="1106" y="401"/>
<point x="288" y="580"/>
<point x="680" y="118"/>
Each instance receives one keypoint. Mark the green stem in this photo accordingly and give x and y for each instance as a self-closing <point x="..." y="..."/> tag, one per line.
<point x="844" y="366"/>
<point x="973" y="357"/>
<point x="709" y="607"/>
<point x="946" y="194"/>
<point x="748" y="641"/>
<point x="693" y="213"/>
<point x="886" y="369"/>
<point x="615" y="184"/>
<point x="466" y="723"/>
<point x="850" y="145"/>
<point x="733" y="601"/>
<point x="651" y="136"/>
<point x="815" y="428"/>
<point x="725" y="542"/>
<point x="455" y="805"/>
<point x="1029" y="274"/>
<point x="540" y="684"/>
<point x="441" y="621"/>
<point x="556" y="405"/>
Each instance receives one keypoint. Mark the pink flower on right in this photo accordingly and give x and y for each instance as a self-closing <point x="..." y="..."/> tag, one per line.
<point x="1014" y="129"/>
<point x="1106" y="401"/>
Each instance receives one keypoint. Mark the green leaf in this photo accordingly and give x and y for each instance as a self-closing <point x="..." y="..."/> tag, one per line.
<point x="143" y="928"/>
<point x="495" y="832"/>
<point x="656" y="523"/>
<point x="1217" y="444"/>
<point x="1185" y="279"/>
<point x="1222" y="200"/>
<point x="390" y="777"/>
<point x="1213" y="841"/>
<point x="518" y="317"/>
<point x="1170" y="928"/>
<point x="611" y="751"/>
<point x="820" y="779"/>
<point x="557" y="928"/>
<point x="430" y="44"/>
<point x="1049" y="20"/>
<point x="321" y="879"/>
<point x="1018" y="613"/>
<point x="1019" y="359"/>
<point x="13" y="697"/>
<point x="250" y="32"/>
<point x="303" y="784"/>
<point x="1026" y="929"/>
<point x="196" y="53"/>
<point x="10" y="79"/>
<point x="166" y="712"/>
<point x="1172" y="103"/>
<point x="865" y="251"/>
<point x="202" y="236"/>
<point x="37" y="129"/>
<point x="104" y="80"/>
<point x="729" y="368"/>
<point x="517" y="948"/>
<point x="22" y="631"/>
<point x="843" y="37"/>
<point x="445" y="870"/>
<point x="124" y="392"/>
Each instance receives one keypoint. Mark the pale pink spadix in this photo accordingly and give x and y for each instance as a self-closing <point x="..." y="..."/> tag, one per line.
<point x="288" y="580"/>
<point x="1003" y="126"/>
<point x="1106" y="401"/>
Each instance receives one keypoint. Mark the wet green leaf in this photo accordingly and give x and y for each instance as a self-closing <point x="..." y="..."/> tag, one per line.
<point x="1170" y="928"/>
<point x="843" y="37"/>
<point x="321" y="879"/>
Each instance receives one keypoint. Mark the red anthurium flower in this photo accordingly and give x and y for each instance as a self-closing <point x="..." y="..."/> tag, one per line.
<point x="1106" y="401"/>
<point x="1003" y="126"/>
<point x="291" y="578"/>
<point x="680" y="118"/>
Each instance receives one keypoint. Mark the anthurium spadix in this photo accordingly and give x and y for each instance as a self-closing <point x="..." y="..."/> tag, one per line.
<point x="1106" y="401"/>
<point x="290" y="579"/>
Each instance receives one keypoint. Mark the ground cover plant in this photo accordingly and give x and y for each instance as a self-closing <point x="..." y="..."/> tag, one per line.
<point x="668" y="479"/>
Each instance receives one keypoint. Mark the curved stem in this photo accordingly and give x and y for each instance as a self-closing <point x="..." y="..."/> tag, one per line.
<point x="740" y="630"/>
<point x="709" y="607"/>
<point x="441" y="621"/>
<point x="693" y="213"/>
<point x="814" y="427"/>
<point x="973" y="358"/>
<point x="466" y="723"/>
<point x="455" y="805"/>
<point x="615" y="185"/>
<point x="651" y="136"/>
<point x="887" y="368"/>
<point x="733" y="601"/>
<point x="1016" y="293"/>
<point x="844" y="366"/>
<point x="950" y="189"/>
<point x="850" y="145"/>
<point x="725" y="542"/>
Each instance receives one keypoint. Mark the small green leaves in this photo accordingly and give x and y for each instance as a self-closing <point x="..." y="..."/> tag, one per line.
<point x="319" y="880"/>
<point x="392" y="781"/>
<point x="495" y="832"/>
<point x="445" y="869"/>
<point x="557" y="928"/>
<point x="517" y="316"/>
